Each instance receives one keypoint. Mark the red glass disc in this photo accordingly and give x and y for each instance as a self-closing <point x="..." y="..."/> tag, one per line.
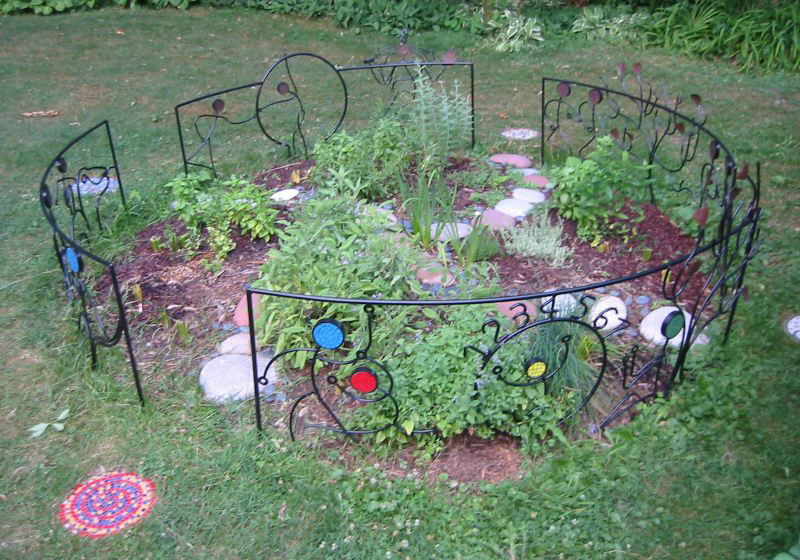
<point x="364" y="381"/>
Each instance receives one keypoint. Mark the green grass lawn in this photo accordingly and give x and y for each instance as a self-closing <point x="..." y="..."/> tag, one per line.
<point x="713" y="473"/>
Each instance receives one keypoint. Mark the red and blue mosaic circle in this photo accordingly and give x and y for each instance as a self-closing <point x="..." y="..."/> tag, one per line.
<point x="106" y="504"/>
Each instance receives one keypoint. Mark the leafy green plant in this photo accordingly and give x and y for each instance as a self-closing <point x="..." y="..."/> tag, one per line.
<point x="512" y="32"/>
<point x="204" y="201"/>
<point x="479" y="245"/>
<point x="593" y="191"/>
<point x="538" y="238"/>
<point x="331" y="248"/>
<point x="614" y="24"/>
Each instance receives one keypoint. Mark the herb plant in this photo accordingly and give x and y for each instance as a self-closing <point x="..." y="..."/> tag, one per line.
<point x="538" y="238"/>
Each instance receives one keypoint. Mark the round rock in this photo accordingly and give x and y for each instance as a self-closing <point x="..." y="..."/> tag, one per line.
<point x="513" y="207"/>
<point x="285" y="195"/>
<point x="516" y="160"/>
<point x="497" y="220"/>
<point x="610" y="308"/>
<point x="451" y="231"/>
<point x="229" y="377"/>
<point x="528" y="195"/>
<point x="650" y="328"/>
<point x="236" y="344"/>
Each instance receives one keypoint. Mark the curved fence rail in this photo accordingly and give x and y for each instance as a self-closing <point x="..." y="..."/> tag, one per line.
<point x="536" y="349"/>
<point x="83" y="175"/>
<point x="303" y="98"/>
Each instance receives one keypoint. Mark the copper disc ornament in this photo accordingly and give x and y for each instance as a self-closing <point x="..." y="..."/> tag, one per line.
<point x="107" y="504"/>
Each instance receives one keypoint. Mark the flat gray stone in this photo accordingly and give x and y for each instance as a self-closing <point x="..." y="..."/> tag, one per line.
<point x="236" y="344"/>
<point x="612" y="309"/>
<point x="285" y="195"/>
<point x="230" y="377"/>
<point x="516" y="160"/>
<point x="513" y="207"/>
<point x="451" y="231"/>
<point x="528" y="195"/>
<point x="497" y="220"/>
<point x="520" y="133"/>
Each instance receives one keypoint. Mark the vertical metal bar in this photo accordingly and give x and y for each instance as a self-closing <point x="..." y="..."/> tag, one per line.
<point x="472" y="98"/>
<point x="180" y="140"/>
<point x="127" y="334"/>
<point x="254" y="358"/>
<point x="541" y="130"/>
<point x="116" y="166"/>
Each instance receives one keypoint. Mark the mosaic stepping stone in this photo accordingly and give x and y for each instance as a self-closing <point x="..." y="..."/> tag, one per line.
<point x="529" y="171"/>
<point x="612" y="309"/>
<point x="516" y="160"/>
<point x="537" y="180"/>
<point x="513" y="207"/>
<point x="520" y="133"/>
<point x="451" y="231"/>
<point x="497" y="220"/>
<point x="95" y="185"/>
<point x="229" y="377"/>
<point x="528" y="195"/>
<point x="665" y="323"/>
<point x="107" y="504"/>
<point x="285" y="195"/>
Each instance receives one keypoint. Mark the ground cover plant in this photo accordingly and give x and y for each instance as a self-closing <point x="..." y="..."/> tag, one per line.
<point x="712" y="473"/>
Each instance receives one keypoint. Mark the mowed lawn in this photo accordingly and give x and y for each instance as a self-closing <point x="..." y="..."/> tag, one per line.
<point x="714" y="473"/>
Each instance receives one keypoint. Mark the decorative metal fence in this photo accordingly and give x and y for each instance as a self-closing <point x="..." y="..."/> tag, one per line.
<point x="343" y="375"/>
<point x="295" y="111"/>
<point x="67" y="189"/>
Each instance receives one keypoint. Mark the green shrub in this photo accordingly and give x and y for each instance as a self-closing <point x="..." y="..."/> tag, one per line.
<point x="510" y="32"/>
<point x="204" y="201"/>
<point x="593" y="191"/>
<point x="612" y="24"/>
<point x="538" y="238"/>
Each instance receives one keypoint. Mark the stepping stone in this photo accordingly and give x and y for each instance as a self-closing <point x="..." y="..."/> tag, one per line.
<point x="516" y="160"/>
<point x="528" y="171"/>
<point x="615" y="312"/>
<point x="513" y="207"/>
<point x="496" y="220"/>
<point x="433" y="275"/>
<point x="95" y="185"/>
<point x="528" y="195"/>
<point x="285" y="195"/>
<point x="520" y="133"/>
<point x="236" y="344"/>
<point x="240" y="314"/>
<point x="651" y="327"/>
<point x="229" y="377"/>
<point x="451" y="231"/>
<point x="537" y="180"/>
<point x="505" y="308"/>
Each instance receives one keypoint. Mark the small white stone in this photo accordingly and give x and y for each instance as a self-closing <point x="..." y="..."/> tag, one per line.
<point x="520" y="133"/>
<point x="528" y="195"/>
<point x="615" y="312"/>
<point x="451" y="231"/>
<point x="236" y="344"/>
<point x="229" y="377"/>
<point x="650" y="328"/>
<point x="285" y="195"/>
<point x="793" y="326"/>
<point x="513" y="207"/>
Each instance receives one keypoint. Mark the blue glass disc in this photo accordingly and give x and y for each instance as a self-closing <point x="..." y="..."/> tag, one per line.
<point x="328" y="334"/>
<point x="72" y="259"/>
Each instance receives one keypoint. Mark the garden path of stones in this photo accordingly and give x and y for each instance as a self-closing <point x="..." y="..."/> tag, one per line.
<point x="226" y="376"/>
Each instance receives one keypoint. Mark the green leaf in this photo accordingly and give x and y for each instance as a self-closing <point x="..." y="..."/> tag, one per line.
<point x="38" y="429"/>
<point x="408" y="426"/>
